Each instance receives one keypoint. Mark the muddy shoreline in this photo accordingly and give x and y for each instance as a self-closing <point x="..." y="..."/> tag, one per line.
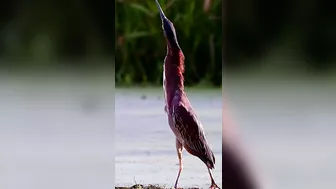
<point x="139" y="186"/>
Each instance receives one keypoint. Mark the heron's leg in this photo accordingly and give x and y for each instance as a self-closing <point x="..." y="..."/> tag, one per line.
<point x="213" y="184"/>
<point x="179" y="149"/>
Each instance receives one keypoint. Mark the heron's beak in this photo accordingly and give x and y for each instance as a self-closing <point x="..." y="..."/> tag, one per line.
<point x="162" y="15"/>
<point x="167" y="27"/>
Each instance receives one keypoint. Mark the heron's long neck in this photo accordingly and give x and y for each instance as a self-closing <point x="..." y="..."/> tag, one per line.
<point x="173" y="73"/>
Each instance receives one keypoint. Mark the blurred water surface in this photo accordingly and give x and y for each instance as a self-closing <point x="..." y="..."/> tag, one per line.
<point x="145" y="145"/>
<point x="56" y="132"/>
<point x="288" y="125"/>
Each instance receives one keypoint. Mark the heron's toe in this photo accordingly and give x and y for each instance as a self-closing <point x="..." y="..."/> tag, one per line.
<point x="213" y="186"/>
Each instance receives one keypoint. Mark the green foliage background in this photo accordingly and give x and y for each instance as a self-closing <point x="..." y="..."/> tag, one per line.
<point x="56" y="33"/>
<point x="141" y="46"/>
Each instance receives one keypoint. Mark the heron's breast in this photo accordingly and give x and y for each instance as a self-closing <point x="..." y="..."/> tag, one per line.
<point x="173" y="127"/>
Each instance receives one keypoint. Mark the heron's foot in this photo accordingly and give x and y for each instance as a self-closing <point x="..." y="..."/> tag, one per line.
<point x="175" y="186"/>
<point x="213" y="186"/>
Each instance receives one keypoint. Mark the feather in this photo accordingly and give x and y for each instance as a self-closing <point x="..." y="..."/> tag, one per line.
<point x="192" y="134"/>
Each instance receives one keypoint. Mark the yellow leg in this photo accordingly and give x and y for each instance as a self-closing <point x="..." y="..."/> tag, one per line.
<point x="213" y="184"/>
<point x="179" y="149"/>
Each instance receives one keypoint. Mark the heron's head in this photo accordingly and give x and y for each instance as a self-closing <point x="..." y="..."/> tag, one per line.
<point x="168" y="28"/>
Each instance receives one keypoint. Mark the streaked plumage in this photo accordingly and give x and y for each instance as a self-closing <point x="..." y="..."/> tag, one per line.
<point x="191" y="133"/>
<point x="182" y="119"/>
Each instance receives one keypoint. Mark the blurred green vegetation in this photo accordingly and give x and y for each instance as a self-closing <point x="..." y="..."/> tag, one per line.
<point x="258" y="34"/>
<point x="288" y="34"/>
<point x="141" y="46"/>
<point x="53" y="33"/>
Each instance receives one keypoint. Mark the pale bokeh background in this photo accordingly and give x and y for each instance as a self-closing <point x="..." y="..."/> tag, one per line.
<point x="287" y="126"/>
<point x="56" y="132"/>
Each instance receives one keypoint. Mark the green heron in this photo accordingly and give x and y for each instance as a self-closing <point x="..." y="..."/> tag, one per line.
<point x="182" y="119"/>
